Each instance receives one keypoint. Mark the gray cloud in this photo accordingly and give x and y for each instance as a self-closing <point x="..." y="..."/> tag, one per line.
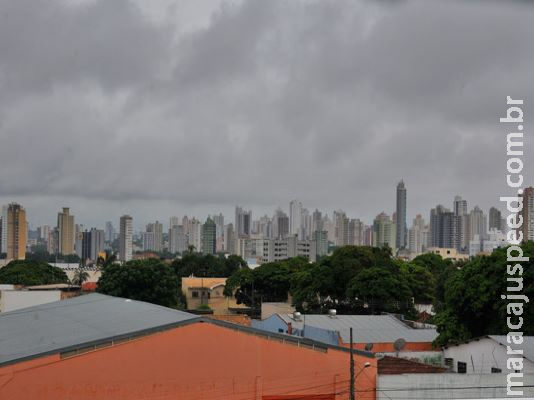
<point x="174" y="108"/>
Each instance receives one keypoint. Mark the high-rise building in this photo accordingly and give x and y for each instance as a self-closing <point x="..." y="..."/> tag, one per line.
<point x="195" y="234"/>
<point x="295" y="212"/>
<point x="3" y="231"/>
<point x="356" y="232"/>
<point x="97" y="243"/>
<point x="229" y="239"/>
<point x="444" y="228"/>
<point x="418" y="236"/>
<point x="401" y="216"/>
<point x="126" y="238"/>
<point x="219" y="231"/>
<point x="109" y="232"/>
<point x="16" y="231"/>
<point x="280" y="224"/>
<point x="67" y="234"/>
<point x="462" y="221"/>
<point x="528" y="214"/>
<point x="341" y="228"/>
<point x="208" y="237"/>
<point x="177" y="239"/>
<point x="384" y="232"/>
<point x="495" y="220"/>
<point x="478" y="224"/>
<point x="243" y="222"/>
<point x="321" y="241"/>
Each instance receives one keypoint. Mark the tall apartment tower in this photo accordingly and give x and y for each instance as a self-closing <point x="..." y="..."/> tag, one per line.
<point x="384" y="231"/>
<point x="401" y="216"/>
<point x="295" y="212"/>
<point x="495" y="219"/>
<point x="243" y="222"/>
<point x="444" y="228"/>
<point x="16" y="232"/>
<point x="3" y="234"/>
<point x="209" y="237"/>
<point x="67" y="234"/>
<point x="528" y="214"/>
<point x="125" y="238"/>
<point x="462" y="220"/>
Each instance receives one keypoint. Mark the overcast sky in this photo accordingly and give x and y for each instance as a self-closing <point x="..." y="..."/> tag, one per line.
<point x="160" y="108"/>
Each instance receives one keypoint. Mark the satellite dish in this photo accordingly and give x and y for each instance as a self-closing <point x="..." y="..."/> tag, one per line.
<point x="399" y="344"/>
<point x="369" y="346"/>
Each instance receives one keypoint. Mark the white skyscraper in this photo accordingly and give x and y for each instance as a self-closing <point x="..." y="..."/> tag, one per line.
<point x="295" y="217"/>
<point x="4" y="230"/>
<point x="126" y="238"/>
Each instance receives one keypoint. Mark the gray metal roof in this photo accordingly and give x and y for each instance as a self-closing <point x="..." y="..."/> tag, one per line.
<point x="527" y="346"/>
<point x="366" y="328"/>
<point x="56" y="326"/>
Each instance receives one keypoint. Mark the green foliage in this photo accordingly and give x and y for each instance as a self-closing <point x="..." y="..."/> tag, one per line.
<point x="203" y="266"/>
<point x="147" y="280"/>
<point x="469" y="301"/>
<point x="80" y="276"/>
<point x="203" y="307"/>
<point x="31" y="273"/>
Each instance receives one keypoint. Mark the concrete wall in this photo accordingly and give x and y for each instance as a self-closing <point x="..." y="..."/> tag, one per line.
<point x="481" y="355"/>
<point x="11" y="300"/>
<point x="446" y="386"/>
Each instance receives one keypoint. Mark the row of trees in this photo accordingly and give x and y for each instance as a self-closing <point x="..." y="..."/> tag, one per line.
<point x="362" y="280"/>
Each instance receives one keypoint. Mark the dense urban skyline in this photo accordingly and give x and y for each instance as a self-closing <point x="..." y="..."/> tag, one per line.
<point x="209" y="109"/>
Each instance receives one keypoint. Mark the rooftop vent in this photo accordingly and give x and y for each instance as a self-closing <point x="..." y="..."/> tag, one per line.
<point x="332" y="313"/>
<point x="297" y="316"/>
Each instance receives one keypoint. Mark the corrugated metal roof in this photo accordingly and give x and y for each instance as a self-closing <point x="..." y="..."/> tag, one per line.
<point x="366" y="328"/>
<point x="527" y="346"/>
<point x="51" y="327"/>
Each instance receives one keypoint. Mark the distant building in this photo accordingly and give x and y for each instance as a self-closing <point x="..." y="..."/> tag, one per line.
<point x="177" y="239"/>
<point x="209" y="292"/>
<point x="495" y="220"/>
<point x="401" y="216"/>
<point x="528" y="214"/>
<point x="282" y="249"/>
<point x="209" y="240"/>
<point x="229" y="239"/>
<point x="280" y="224"/>
<point x="243" y="222"/>
<point x="153" y="237"/>
<point x="195" y="234"/>
<point x="384" y="232"/>
<point x="295" y="212"/>
<point x="15" y="231"/>
<point x="321" y="242"/>
<point x="448" y="253"/>
<point x="66" y="232"/>
<point x="478" y="224"/>
<point x="487" y="244"/>
<point x="444" y="228"/>
<point x="126" y="238"/>
<point x="418" y="236"/>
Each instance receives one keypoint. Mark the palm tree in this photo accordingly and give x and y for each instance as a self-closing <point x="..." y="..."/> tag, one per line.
<point x="80" y="276"/>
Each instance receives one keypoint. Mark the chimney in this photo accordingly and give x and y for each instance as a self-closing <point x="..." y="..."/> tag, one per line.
<point x="289" y="328"/>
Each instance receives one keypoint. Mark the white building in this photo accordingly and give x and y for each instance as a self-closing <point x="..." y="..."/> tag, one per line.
<point x="126" y="238"/>
<point x="487" y="244"/>
<point x="487" y="354"/>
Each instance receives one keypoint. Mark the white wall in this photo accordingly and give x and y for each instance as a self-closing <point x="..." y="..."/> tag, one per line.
<point x="11" y="300"/>
<point x="447" y="386"/>
<point x="481" y="355"/>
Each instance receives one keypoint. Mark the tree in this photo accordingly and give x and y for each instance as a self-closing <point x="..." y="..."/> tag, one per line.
<point x="109" y="259"/>
<point x="80" y="276"/>
<point x="471" y="303"/>
<point x="31" y="273"/>
<point x="147" y="280"/>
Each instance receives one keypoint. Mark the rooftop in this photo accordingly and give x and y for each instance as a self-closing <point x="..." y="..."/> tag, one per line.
<point x="47" y="328"/>
<point x="366" y="328"/>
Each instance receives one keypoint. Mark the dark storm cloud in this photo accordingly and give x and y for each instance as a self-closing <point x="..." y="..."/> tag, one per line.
<point x="329" y="101"/>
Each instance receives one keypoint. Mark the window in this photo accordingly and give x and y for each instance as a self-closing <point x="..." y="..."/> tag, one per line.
<point x="194" y="294"/>
<point x="449" y="362"/>
<point x="496" y="370"/>
<point x="462" y="367"/>
<point x="280" y="330"/>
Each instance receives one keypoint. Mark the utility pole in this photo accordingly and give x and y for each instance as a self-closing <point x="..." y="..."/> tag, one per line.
<point x="352" y="392"/>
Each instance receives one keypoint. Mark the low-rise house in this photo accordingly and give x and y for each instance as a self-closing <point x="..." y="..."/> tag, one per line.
<point x="376" y="333"/>
<point x="487" y="354"/>
<point x="201" y="293"/>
